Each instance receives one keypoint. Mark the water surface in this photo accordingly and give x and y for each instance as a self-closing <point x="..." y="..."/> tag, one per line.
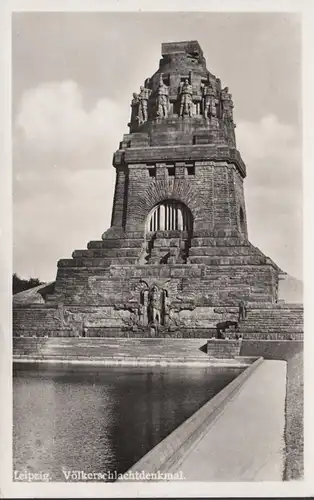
<point x="102" y="419"/>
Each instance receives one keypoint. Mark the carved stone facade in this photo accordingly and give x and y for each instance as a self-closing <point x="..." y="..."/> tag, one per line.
<point x="177" y="254"/>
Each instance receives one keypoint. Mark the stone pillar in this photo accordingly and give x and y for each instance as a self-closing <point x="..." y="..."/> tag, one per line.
<point x="162" y="217"/>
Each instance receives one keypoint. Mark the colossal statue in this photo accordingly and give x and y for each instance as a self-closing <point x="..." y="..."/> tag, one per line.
<point x="143" y="104"/>
<point x="135" y="108"/>
<point x="186" y="92"/>
<point x="162" y="99"/>
<point x="209" y="101"/>
<point x="226" y="105"/>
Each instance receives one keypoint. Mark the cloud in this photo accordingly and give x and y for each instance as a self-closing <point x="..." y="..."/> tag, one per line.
<point x="52" y="120"/>
<point x="63" y="174"/>
<point x="49" y="226"/>
<point x="273" y="189"/>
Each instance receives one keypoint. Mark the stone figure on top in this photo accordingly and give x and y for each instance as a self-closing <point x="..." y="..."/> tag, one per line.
<point x="162" y="99"/>
<point x="209" y="101"/>
<point x="186" y="93"/>
<point x="226" y="105"/>
<point x="143" y="104"/>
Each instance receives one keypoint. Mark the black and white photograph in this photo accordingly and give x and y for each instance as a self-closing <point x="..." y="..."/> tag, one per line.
<point x="157" y="318"/>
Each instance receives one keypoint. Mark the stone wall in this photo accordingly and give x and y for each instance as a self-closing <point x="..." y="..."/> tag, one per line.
<point x="213" y="193"/>
<point x="223" y="348"/>
<point x="271" y="349"/>
<point x="39" y="321"/>
<point x="185" y="321"/>
<point x="204" y="285"/>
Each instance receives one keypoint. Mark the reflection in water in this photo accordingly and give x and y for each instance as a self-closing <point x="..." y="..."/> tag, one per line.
<point x="102" y="419"/>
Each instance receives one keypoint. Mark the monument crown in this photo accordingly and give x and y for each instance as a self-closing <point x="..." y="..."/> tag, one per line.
<point x="190" y="47"/>
<point x="182" y="103"/>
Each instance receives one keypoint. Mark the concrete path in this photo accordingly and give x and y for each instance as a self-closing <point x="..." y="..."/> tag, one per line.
<point x="246" y="441"/>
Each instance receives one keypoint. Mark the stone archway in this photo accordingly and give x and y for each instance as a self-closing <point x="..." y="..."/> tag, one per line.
<point x="169" y="215"/>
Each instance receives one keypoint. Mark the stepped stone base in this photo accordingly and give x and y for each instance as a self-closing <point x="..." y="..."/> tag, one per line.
<point x="100" y="292"/>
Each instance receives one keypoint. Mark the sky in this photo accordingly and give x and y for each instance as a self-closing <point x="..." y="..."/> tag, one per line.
<point x="73" y="75"/>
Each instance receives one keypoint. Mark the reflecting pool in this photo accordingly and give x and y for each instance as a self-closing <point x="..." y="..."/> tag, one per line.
<point x="96" y="419"/>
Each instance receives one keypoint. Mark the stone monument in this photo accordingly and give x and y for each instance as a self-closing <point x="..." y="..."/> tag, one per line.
<point x="177" y="256"/>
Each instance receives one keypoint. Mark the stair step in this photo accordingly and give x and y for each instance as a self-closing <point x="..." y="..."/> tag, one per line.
<point x="106" y="253"/>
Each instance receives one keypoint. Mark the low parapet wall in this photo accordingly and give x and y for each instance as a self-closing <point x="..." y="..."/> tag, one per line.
<point x="271" y="349"/>
<point x="117" y="351"/>
<point x="173" y="447"/>
<point x="222" y="348"/>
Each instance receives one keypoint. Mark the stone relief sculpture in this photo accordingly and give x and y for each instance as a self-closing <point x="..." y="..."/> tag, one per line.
<point x="166" y="308"/>
<point x="154" y="303"/>
<point x="72" y="320"/>
<point x="162" y="99"/>
<point x="154" y="308"/>
<point x="143" y="308"/>
<point x="143" y="104"/>
<point x="186" y="97"/>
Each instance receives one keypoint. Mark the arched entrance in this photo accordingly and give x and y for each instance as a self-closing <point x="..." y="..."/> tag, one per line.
<point x="170" y="215"/>
<point x="168" y="228"/>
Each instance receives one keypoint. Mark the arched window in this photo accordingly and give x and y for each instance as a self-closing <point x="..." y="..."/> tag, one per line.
<point x="170" y="215"/>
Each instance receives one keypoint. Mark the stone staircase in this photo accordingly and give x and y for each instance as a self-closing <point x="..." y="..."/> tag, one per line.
<point x="38" y="320"/>
<point x="280" y="322"/>
<point x="166" y="250"/>
<point x="225" y="251"/>
<point x="104" y="253"/>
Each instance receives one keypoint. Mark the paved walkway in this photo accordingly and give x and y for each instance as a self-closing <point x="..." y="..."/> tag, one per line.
<point x="246" y="441"/>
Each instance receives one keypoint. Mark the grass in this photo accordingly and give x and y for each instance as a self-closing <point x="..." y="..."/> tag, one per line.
<point x="294" y="431"/>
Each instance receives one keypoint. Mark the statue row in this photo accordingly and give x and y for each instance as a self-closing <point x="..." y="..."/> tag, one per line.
<point x="214" y="103"/>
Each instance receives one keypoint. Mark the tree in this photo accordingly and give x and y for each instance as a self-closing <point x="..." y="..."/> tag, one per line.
<point x="19" y="284"/>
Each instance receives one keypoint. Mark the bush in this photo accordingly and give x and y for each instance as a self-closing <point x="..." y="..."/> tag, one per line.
<point x="20" y="285"/>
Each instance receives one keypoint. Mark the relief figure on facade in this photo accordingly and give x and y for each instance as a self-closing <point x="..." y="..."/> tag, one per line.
<point x="143" y="308"/>
<point x="186" y="96"/>
<point x="71" y="320"/>
<point x="166" y="308"/>
<point x="162" y="99"/>
<point x="154" y="312"/>
<point x="154" y="308"/>
<point x="143" y="104"/>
